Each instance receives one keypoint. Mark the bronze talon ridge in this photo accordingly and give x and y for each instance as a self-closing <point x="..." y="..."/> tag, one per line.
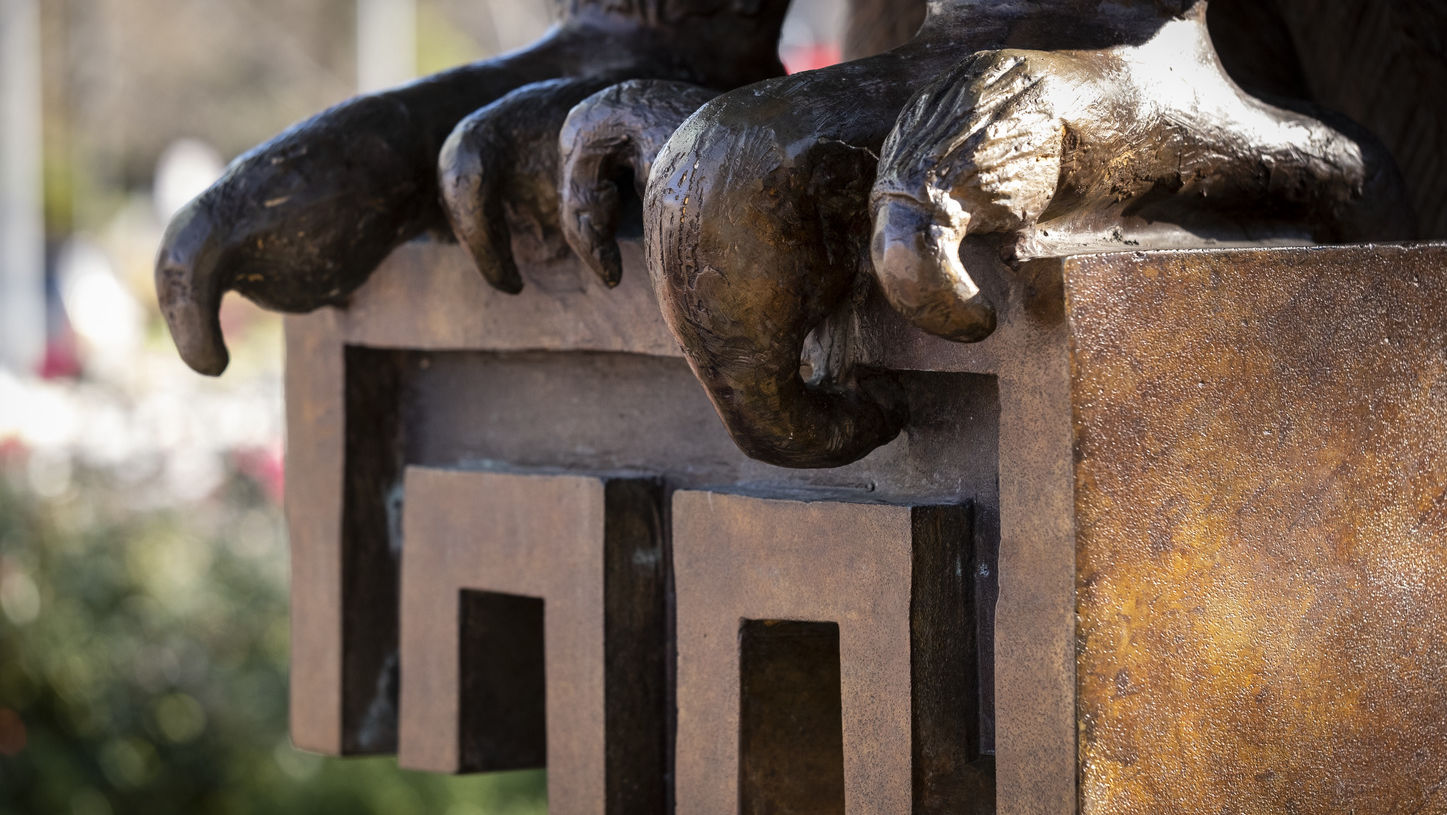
<point x="1094" y="129"/>
<point x="618" y="130"/>
<point x="1042" y="145"/>
<point x="754" y="230"/>
<point x="301" y="221"/>
<point x="491" y="163"/>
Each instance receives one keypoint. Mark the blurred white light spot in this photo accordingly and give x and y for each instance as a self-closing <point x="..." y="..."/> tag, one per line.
<point x="38" y="414"/>
<point x="193" y="474"/>
<point x="12" y="392"/>
<point x="19" y="598"/>
<point x="185" y="170"/>
<point x="99" y="307"/>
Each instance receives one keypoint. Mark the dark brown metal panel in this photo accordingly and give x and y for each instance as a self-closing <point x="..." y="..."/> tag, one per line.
<point x="1034" y="622"/>
<point x="427" y="296"/>
<point x="592" y="552"/>
<point x="1035" y="616"/>
<point x="315" y="410"/>
<point x="1262" y="495"/>
<point x="532" y="537"/>
<point x="906" y="746"/>
<point x="460" y="414"/>
<point x="585" y="412"/>
<point x="623" y="412"/>
<point x="947" y="684"/>
<point x="637" y="568"/>
<point x="741" y="558"/>
<point x="344" y="455"/>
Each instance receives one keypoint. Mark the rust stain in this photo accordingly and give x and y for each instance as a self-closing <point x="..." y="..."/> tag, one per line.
<point x="1261" y="461"/>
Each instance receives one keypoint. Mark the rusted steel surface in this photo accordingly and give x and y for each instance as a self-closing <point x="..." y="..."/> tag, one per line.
<point x="893" y="582"/>
<point x="578" y="562"/>
<point x="1261" y="467"/>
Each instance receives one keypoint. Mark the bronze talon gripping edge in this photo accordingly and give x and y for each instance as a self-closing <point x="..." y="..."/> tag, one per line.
<point x="1059" y="151"/>
<point x="1106" y="121"/>
<point x="492" y="164"/>
<point x="301" y="221"/>
<point x="615" y="131"/>
<point x="1107" y="124"/>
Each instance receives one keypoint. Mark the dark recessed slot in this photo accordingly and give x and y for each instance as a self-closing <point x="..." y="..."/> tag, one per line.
<point x="791" y="739"/>
<point x="502" y="711"/>
<point x="951" y="776"/>
<point x="628" y="413"/>
<point x="375" y="440"/>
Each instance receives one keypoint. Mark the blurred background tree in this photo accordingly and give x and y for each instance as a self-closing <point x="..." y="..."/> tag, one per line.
<point x="143" y="563"/>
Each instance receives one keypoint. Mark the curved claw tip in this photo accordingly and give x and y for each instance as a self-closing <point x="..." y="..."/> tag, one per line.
<point x="600" y="255"/>
<point x="606" y="262"/>
<point x="189" y="284"/>
<point x="503" y="277"/>
<point x="593" y="239"/>
<point x="487" y="243"/>
<point x="475" y="213"/>
<point x="917" y="262"/>
<point x="489" y="247"/>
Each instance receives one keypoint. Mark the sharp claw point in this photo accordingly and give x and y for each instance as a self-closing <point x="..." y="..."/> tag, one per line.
<point x="507" y="285"/>
<point x="978" y="323"/>
<point x="922" y="276"/>
<point x="198" y="339"/>
<point x="207" y="366"/>
<point x="610" y="269"/>
<point x="499" y="271"/>
<point x="191" y="279"/>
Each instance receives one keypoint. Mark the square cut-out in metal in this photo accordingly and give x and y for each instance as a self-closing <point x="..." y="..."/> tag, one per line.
<point x="502" y="677"/>
<point x="791" y="735"/>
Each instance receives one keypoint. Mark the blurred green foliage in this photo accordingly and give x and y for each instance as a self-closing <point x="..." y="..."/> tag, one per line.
<point x="143" y="655"/>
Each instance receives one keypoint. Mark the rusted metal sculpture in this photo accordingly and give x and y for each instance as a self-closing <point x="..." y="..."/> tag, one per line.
<point x="301" y="221"/>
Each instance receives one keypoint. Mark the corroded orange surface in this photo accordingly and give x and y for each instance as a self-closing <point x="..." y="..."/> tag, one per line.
<point x="1261" y="492"/>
